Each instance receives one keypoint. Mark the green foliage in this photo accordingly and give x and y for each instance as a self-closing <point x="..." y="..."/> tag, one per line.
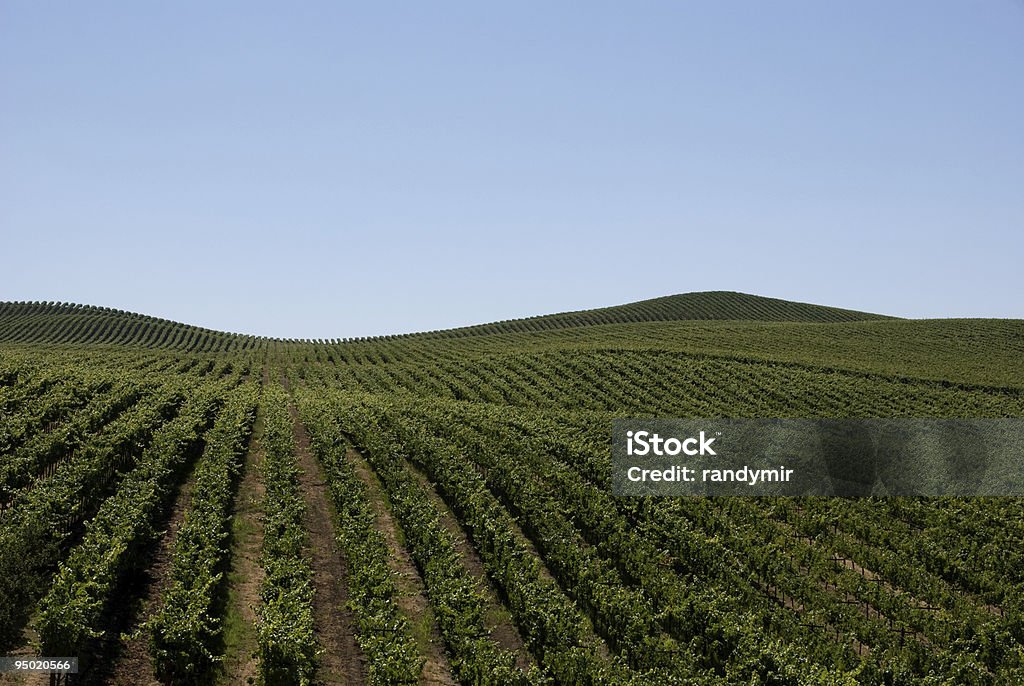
<point x="70" y="613"/>
<point x="509" y="422"/>
<point x="286" y="641"/>
<point x="65" y="323"/>
<point x="185" y="631"/>
<point x="383" y="631"/>
<point x="34" y="529"/>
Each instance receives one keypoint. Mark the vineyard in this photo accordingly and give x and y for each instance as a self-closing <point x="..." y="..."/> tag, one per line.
<point x="184" y="506"/>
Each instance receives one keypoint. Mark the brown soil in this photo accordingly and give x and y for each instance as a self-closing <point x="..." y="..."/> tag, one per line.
<point x="592" y="637"/>
<point x="28" y="648"/>
<point x="500" y="623"/>
<point x="245" y="573"/>
<point x="869" y="609"/>
<point x="412" y="598"/>
<point x="342" y="662"/>
<point x="842" y="561"/>
<point x="134" y="667"/>
<point x="793" y="604"/>
<point x="124" y="662"/>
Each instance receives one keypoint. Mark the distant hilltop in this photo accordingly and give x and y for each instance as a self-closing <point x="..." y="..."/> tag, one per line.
<point x="66" y="323"/>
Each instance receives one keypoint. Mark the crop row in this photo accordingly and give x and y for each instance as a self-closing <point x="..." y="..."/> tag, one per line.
<point x="550" y="623"/>
<point x="778" y="557"/>
<point x="185" y="632"/>
<point x="560" y="510"/>
<point x="118" y="536"/>
<point x="45" y="450"/>
<point x="383" y="631"/>
<point x="286" y="641"/>
<point x="35" y="528"/>
<point x="43" y="411"/>
<point x="454" y="594"/>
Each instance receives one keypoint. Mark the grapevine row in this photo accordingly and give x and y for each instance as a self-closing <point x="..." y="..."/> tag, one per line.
<point x="383" y="631"/>
<point x="185" y="632"/>
<point x="119" y="534"/>
<point x="286" y="641"/>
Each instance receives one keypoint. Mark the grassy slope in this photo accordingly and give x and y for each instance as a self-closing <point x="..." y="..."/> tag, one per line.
<point x="567" y="381"/>
<point x="731" y="325"/>
<point x="982" y="352"/>
<point x="702" y="306"/>
<point x="46" y="323"/>
<point x="68" y="323"/>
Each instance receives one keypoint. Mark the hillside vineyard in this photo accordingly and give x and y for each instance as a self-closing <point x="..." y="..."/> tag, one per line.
<point x="184" y="506"/>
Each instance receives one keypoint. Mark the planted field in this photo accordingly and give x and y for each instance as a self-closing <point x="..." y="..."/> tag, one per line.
<point x="182" y="506"/>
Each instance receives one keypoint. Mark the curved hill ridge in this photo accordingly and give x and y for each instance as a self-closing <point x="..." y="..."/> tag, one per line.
<point x="48" y="322"/>
<point x="69" y="323"/>
<point x="700" y="306"/>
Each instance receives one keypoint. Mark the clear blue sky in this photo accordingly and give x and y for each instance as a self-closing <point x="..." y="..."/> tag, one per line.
<point x="323" y="169"/>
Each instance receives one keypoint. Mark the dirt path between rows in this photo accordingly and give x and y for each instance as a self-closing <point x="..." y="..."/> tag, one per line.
<point x="412" y="594"/>
<point x="134" y="666"/>
<point x="130" y="661"/>
<point x="245" y="573"/>
<point x="592" y="637"/>
<point x="342" y="662"/>
<point x="496" y="616"/>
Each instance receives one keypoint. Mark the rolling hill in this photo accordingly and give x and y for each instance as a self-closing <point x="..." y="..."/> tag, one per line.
<point x="65" y="323"/>
<point x="436" y="507"/>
